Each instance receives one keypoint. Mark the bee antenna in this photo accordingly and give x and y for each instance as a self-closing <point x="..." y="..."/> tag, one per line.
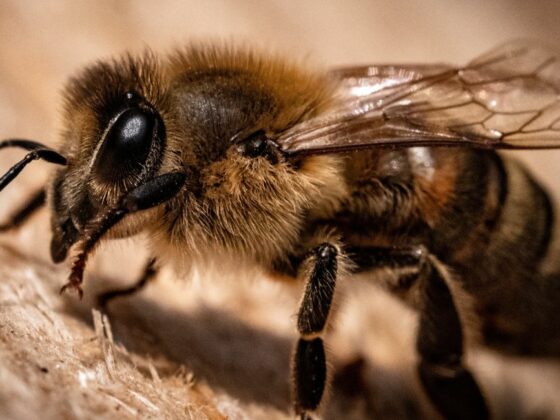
<point x="37" y="151"/>
<point x="150" y="194"/>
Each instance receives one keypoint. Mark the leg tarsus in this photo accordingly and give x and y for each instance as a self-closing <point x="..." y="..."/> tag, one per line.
<point x="444" y="386"/>
<point x="310" y="374"/>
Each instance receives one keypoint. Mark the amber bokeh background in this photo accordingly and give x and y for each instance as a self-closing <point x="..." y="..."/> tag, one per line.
<point x="234" y="336"/>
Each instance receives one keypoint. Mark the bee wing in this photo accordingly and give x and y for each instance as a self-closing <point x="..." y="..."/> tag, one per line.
<point x="508" y="98"/>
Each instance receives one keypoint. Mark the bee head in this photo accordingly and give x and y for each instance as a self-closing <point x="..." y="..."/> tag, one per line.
<point x="212" y="113"/>
<point x="114" y="137"/>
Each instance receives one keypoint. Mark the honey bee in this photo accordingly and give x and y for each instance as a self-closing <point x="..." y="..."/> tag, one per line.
<point x="386" y="169"/>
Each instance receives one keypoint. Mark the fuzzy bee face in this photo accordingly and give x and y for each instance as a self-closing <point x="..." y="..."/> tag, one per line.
<point x="209" y="112"/>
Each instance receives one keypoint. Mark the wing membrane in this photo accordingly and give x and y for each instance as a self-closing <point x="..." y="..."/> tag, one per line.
<point x="507" y="98"/>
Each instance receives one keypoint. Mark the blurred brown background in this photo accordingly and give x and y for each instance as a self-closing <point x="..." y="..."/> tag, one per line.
<point x="244" y="360"/>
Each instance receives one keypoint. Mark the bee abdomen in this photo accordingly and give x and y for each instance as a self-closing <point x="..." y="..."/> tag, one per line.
<point x="516" y="267"/>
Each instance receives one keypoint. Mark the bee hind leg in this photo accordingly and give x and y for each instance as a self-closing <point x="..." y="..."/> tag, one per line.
<point x="448" y="383"/>
<point x="148" y="274"/>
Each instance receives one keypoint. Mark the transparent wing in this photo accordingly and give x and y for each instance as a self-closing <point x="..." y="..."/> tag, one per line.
<point x="507" y="98"/>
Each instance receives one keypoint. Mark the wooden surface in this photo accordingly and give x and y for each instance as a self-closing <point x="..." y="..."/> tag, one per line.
<point x="219" y="345"/>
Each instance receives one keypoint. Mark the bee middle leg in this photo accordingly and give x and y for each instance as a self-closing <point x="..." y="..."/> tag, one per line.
<point x="309" y="360"/>
<point x="149" y="273"/>
<point x="449" y="384"/>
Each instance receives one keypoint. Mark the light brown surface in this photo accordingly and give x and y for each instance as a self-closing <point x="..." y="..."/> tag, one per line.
<point x="229" y="336"/>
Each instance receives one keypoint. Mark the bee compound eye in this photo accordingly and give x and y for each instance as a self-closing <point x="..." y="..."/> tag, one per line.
<point x="127" y="143"/>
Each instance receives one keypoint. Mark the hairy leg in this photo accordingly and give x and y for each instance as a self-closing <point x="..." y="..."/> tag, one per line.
<point x="449" y="384"/>
<point x="309" y="363"/>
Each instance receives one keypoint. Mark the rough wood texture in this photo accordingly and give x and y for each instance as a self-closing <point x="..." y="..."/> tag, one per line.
<point x="58" y="365"/>
<point x="192" y="352"/>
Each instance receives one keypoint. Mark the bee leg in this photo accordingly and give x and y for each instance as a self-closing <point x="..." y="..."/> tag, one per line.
<point x="151" y="194"/>
<point x="406" y="263"/>
<point x="21" y="215"/>
<point x="149" y="273"/>
<point x="450" y="386"/>
<point x="309" y="360"/>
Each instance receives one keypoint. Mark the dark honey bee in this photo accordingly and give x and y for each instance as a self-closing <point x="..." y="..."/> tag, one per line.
<point x="217" y="151"/>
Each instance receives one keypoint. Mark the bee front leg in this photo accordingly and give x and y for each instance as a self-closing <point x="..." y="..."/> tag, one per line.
<point x="309" y="360"/>
<point x="149" y="273"/>
<point x="449" y="384"/>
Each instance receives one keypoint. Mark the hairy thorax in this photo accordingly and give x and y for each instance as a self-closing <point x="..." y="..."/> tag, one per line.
<point x="249" y="210"/>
